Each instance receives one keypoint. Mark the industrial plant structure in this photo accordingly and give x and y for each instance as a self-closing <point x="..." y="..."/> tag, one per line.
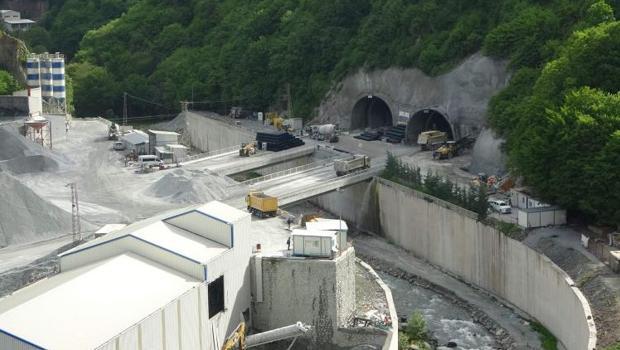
<point x="48" y="72"/>
<point x="175" y="281"/>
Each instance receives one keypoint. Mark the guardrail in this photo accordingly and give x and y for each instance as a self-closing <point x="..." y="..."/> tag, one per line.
<point x="332" y="184"/>
<point x="289" y="171"/>
<point x="196" y="157"/>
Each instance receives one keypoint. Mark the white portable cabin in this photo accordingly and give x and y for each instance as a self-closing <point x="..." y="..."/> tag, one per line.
<point x="541" y="216"/>
<point x="161" y="138"/>
<point x="179" y="280"/>
<point x="334" y="225"/>
<point x="318" y="244"/>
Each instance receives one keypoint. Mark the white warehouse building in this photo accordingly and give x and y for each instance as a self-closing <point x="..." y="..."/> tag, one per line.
<point x="175" y="281"/>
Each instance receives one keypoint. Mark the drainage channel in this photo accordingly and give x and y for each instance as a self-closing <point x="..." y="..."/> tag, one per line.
<point x="446" y="322"/>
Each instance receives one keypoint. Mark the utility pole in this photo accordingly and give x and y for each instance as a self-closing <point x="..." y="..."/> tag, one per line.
<point x="75" y="213"/>
<point x="289" y="101"/>
<point x="124" y="108"/>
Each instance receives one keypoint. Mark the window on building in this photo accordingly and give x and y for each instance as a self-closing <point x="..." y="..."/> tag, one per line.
<point x="216" y="296"/>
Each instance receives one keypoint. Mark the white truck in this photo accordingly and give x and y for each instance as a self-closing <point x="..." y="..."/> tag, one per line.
<point x="346" y="166"/>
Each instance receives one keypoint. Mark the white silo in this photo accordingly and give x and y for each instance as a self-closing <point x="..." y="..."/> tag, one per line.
<point x="33" y="71"/>
<point x="58" y="76"/>
<point x="46" y="75"/>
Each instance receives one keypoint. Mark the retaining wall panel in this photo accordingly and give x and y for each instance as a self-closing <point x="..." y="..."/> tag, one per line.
<point x="452" y="238"/>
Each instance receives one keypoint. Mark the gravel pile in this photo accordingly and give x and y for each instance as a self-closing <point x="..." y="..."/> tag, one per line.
<point x="26" y="217"/>
<point x="190" y="187"/>
<point x="19" y="155"/>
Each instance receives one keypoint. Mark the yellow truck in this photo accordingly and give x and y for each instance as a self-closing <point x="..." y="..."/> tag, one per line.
<point x="261" y="205"/>
<point x="432" y="138"/>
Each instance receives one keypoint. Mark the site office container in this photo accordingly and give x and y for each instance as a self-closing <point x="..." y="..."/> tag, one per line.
<point x="318" y="244"/>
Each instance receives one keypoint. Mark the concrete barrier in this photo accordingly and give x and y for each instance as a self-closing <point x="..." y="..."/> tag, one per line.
<point x="209" y="134"/>
<point x="452" y="238"/>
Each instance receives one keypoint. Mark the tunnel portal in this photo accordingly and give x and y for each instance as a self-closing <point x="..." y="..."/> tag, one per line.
<point x="428" y="119"/>
<point x="371" y="112"/>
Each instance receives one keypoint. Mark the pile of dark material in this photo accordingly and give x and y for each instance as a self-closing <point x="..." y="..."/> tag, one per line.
<point x="277" y="141"/>
<point x="396" y="134"/>
<point x="369" y="136"/>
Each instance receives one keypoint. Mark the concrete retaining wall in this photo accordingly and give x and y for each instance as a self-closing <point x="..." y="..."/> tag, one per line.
<point x="314" y="291"/>
<point x="363" y="211"/>
<point x="208" y="134"/>
<point x="14" y="105"/>
<point x="453" y="239"/>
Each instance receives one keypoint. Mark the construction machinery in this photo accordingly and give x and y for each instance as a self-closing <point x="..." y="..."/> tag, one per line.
<point x="238" y="340"/>
<point x="277" y="121"/>
<point x="453" y="148"/>
<point x="325" y="132"/>
<point x="431" y="138"/>
<point x="346" y="166"/>
<point x="261" y="205"/>
<point x="114" y="132"/>
<point x="247" y="149"/>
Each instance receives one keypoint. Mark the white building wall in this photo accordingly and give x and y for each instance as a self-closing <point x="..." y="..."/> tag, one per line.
<point x="131" y="244"/>
<point x="152" y="332"/>
<point x="190" y="327"/>
<point x="9" y="342"/>
<point x="203" y="225"/>
<point x="128" y="340"/>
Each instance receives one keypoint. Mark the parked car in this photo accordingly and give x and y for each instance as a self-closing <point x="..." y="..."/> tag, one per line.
<point x="500" y="206"/>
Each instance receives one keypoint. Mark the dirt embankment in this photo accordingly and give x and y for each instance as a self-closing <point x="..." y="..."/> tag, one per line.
<point x="12" y="53"/>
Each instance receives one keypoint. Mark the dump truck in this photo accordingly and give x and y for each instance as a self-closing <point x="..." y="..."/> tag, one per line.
<point x="261" y="205"/>
<point x="247" y="149"/>
<point x="346" y="166"/>
<point x="428" y="139"/>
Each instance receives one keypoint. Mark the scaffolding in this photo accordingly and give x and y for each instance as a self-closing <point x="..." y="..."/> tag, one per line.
<point x="39" y="130"/>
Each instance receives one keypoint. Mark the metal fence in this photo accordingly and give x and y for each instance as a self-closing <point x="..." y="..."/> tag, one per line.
<point x="198" y="156"/>
<point x="289" y="171"/>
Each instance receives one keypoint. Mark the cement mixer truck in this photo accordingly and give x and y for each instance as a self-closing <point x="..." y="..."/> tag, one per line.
<point x="324" y="132"/>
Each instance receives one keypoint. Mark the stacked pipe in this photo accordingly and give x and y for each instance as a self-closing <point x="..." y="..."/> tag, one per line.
<point x="277" y="141"/>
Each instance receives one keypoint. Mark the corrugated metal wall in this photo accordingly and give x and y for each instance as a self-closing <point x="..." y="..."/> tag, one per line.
<point x="152" y="332"/>
<point x="9" y="342"/>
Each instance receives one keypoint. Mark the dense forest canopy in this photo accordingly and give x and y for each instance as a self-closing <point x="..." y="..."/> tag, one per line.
<point x="559" y="114"/>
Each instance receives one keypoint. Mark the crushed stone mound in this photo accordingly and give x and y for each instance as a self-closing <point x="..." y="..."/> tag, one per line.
<point x="19" y="155"/>
<point x="190" y="186"/>
<point x="487" y="155"/>
<point x="26" y="217"/>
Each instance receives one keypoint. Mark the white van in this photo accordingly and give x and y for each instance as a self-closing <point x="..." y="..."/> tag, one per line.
<point x="149" y="160"/>
<point x="499" y="206"/>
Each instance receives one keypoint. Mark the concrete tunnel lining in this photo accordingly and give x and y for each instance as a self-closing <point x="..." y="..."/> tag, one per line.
<point x="370" y="112"/>
<point x="428" y="119"/>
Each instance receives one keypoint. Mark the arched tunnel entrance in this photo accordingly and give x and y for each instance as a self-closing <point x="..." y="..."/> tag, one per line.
<point x="428" y="119"/>
<point x="370" y="112"/>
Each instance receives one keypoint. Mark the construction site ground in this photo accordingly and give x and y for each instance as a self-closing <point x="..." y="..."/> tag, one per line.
<point x="599" y="284"/>
<point x="112" y="193"/>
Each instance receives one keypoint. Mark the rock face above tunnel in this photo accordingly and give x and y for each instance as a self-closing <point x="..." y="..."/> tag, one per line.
<point x="462" y="95"/>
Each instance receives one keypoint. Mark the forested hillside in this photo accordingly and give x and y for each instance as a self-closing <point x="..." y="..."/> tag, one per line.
<point x="559" y="113"/>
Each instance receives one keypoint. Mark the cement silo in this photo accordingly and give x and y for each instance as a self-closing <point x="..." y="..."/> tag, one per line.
<point x="48" y="72"/>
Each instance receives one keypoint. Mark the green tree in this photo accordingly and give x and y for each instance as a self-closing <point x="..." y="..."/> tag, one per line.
<point x="416" y="327"/>
<point x="8" y="84"/>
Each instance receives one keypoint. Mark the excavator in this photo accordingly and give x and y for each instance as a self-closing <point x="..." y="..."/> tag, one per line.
<point x="238" y="340"/>
<point x="277" y="121"/>
<point x="247" y="149"/>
